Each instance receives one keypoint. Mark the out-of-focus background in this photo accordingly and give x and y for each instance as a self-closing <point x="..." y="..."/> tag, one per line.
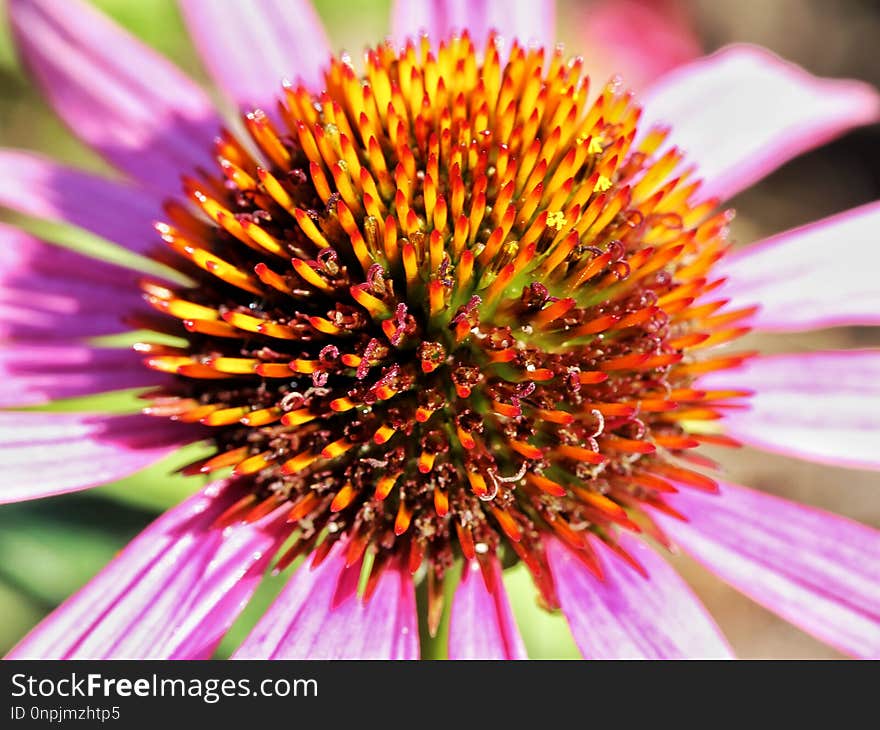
<point x="49" y="548"/>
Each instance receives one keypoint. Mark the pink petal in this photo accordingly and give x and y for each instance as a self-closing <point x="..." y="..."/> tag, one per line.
<point x="318" y="616"/>
<point x="171" y="594"/>
<point x="638" y="39"/>
<point x="111" y="209"/>
<point x="49" y="291"/>
<point x="481" y="624"/>
<point x="819" y="571"/>
<point x="118" y="95"/>
<point x="250" y="47"/>
<point x="820" y="275"/>
<point x="42" y="454"/>
<point x="626" y="616"/>
<point x="35" y="374"/>
<point x="742" y="112"/>
<point x="525" y="20"/>
<point x="820" y="406"/>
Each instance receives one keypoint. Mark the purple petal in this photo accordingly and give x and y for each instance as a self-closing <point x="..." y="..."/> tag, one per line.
<point x="36" y="374"/>
<point x="742" y="112"/>
<point x="42" y="454"/>
<point x="820" y="406"/>
<point x="49" y="291"/>
<point x="119" y="96"/>
<point x="819" y="275"/>
<point x="626" y="616"/>
<point x="249" y="48"/>
<point x="819" y="571"/>
<point x="638" y="39"/>
<point x="481" y="624"/>
<point x="171" y="594"/>
<point x="525" y="20"/>
<point x="111" y="209"/>
<point x="317" y="616"/>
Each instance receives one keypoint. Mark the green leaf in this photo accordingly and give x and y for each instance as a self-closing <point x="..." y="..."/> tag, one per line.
<point x="20" y="615"/>
<point x="158" y="487"/>
<point x="52" y="547"/>
<point x="546" y="635"/>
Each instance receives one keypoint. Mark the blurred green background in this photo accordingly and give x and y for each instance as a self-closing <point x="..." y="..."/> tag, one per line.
<point x="51" y="547"/>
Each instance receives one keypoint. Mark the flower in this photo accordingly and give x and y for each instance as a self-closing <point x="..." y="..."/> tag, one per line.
<point x="638" y="39"/>
<point x="446" y="310"/>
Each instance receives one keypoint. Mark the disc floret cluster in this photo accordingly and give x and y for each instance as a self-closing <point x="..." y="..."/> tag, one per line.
<point x="447" y="307"/>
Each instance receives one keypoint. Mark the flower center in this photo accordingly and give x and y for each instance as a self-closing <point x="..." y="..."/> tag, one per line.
<point x="446" y="307"/>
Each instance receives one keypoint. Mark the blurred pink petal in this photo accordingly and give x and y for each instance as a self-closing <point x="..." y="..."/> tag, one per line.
<point x="50" y="292"/>
<point x="42" y="454"/>
<point x="481" y="624"/>
<point x="819" y="571"/>
<point x="820" y="275"/>
<point x="33" y="374"/>
<point x="638" y="39"/>
<point x="115" y="93"/>
<point x="626" y="616"/>
<point x="318" y="616"/>
<point x="743" y="112"/>
<point x="525" y="20"/>
<point x="171" y="594"/>
<point x="250" y="47"/>
<point x="819" y="406"/>
<point x="111" y="209"/>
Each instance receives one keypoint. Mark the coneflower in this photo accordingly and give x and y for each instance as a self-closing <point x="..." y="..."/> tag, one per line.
<point x="450" y="327"/>
<point x="449" y="309"/>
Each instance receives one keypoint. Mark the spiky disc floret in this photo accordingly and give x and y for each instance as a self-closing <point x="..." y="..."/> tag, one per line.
<point x="447" y="306"/>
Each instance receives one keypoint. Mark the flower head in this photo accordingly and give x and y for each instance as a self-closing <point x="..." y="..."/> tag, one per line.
<point x="451" y="306"/>
<point x="451" y="325"/>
